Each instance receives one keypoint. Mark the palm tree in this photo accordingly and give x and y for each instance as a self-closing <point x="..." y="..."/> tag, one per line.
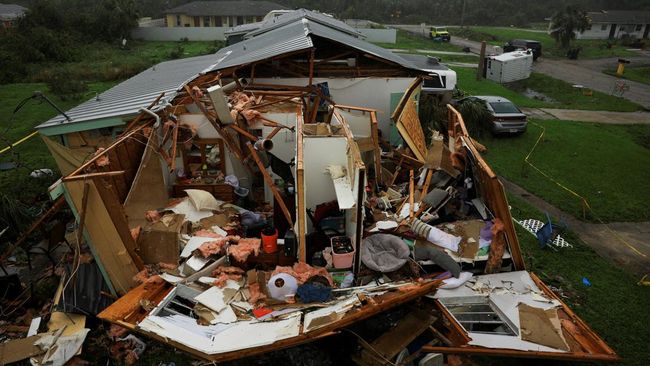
<point x="566" y="23"/>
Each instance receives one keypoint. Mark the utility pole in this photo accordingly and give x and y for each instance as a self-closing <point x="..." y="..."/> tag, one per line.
<point x="481" y="62"/>
<point x="462" y="14"/>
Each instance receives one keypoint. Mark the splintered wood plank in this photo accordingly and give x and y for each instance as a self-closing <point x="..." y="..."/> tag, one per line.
<point x="129" y="304"/>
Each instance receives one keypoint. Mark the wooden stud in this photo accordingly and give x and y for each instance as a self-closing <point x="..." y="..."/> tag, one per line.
<point x="311" y="66"/>
<point x="270" y="183"/>
<point x="411" y="194"/>
<point x="93" y="175"/>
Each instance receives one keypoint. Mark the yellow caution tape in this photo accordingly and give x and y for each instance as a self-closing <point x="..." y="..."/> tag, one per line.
<point x="19" y="142"/>
<point x="585" y="204"/>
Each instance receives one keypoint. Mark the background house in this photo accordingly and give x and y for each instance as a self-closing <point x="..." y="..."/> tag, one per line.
<point x="219" y="13"/>
<point x="9" y="13"/>
<point x="617" y="24"/>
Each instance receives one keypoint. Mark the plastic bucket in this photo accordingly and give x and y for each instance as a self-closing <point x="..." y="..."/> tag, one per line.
<point x="270" y="240"/>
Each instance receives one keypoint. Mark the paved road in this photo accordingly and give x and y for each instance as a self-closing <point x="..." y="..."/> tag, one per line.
<point x="583" y="72"/>
<point x="573" y="72"/>
<point x="624" y="243"/>
<point x="615" y="118"/>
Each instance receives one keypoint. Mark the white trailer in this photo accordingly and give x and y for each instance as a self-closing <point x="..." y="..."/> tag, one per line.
<point x="510" y="66"/>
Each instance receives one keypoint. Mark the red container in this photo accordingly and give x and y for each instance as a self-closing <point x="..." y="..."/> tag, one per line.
<point x="270" y="240"/>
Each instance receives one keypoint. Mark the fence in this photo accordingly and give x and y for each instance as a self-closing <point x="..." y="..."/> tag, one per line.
<point x="178" y="33"/>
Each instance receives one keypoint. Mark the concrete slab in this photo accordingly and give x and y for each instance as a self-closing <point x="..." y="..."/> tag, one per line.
<point x="622" y="118"/>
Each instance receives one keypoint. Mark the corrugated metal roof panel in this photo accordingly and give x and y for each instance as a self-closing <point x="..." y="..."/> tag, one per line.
<point x="126" y="98"/>
<point x="317" y="17"/>
<point x="292" y="37"/>
<point x="296" y="36"/>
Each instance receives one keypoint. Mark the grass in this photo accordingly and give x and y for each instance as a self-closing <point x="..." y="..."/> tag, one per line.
<point x="107" y="62"/>
<point x="606" y="164"/>
<point x="32" y="154"/>
<point x="613" y="306"/>
<point x="563" y="94"/>
<point x="102" y="66"/>
<point x="638" y="74"/>
<point x="411" y="43"/>
<point x="500" y="35"/>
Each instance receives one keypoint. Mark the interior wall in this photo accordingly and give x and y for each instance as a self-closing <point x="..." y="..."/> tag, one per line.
<point x="376" y="93"/>
<point x="319" y="152"/>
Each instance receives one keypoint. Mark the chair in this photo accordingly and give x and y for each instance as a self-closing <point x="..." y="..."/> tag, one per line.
<point x="547" y="233"/>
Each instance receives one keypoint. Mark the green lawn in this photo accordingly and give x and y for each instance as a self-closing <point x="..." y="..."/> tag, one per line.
<point x="410" y="41"/>
<point x="639" y="74"/>
<point x="107" y="62"/>
<point x="563" y="94"/>
<point x="613" y="306"/>
<point x="606" y="164"/>
<point x="33" y="153"/>
<point x="500" y="35"/>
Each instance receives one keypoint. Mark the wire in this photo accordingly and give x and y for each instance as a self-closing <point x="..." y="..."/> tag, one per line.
<point x="586" y="206"/>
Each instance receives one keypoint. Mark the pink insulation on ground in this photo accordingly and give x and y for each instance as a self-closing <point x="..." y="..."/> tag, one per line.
<point x="244" y="248"/>
<point x="207" y="234"/>
<point x="223" y="274"/>
<point x="215" y="247"/>
<point x="303" y="271"/>
<point x="152" y="216"/>
<point x="256" y="293"/>
<point x="103" y="159"/>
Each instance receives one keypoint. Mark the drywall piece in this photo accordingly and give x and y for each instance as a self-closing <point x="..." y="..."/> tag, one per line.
<point x="318" y="153"/>
<point x="220" y="338"/>
<point x="322" y="317"/>
<point x="197" y="262"/>
<point x="359" y="122"/>
<point x="186" y="208"/>
<point x="212" y="298"/>
<point x="506" y="291"/>
<point x="220" y="104"/>
<point x="344" y="194"/>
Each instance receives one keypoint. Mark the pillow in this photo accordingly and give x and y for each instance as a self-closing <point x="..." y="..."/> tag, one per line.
<point x="384" y="252"/>
<point x="202" y="200"/>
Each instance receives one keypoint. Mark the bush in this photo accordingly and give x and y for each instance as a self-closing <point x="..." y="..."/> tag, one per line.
<point x="476" y="117"/>
<point x="177" y="52"/>
<point x="66" y="85"/>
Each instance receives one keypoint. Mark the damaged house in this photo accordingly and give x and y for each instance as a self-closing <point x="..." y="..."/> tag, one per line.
<point x="256" y="204"/>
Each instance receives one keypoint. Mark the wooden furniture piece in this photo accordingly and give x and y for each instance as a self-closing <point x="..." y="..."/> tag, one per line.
<point x="220" y="191"/>
<point x="195" y="159"/>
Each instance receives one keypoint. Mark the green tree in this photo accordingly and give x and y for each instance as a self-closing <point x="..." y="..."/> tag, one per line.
<point x="566" y="23"/>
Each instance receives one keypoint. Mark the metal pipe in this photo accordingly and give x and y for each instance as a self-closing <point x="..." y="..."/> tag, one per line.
<point x="152" y="114"/>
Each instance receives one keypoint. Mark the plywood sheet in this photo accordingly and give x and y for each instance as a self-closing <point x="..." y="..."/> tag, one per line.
<point x="148" y="191"/>
<point x="104" y="239"/>
<point x="409" y="126"/>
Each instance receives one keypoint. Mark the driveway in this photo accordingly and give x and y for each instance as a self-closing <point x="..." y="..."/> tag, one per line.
<point x="574" y="72"/>
<point x="614" y="118"/>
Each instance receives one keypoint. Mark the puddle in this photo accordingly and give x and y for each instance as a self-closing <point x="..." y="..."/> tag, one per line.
<point x="530" y="93"/>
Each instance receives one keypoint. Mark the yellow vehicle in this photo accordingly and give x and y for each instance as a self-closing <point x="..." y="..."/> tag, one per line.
<point x="440" y="33"/>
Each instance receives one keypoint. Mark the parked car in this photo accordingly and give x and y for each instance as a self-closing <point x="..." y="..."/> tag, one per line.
<point x="524" y="44"/>
<point x="506" y="117"/>
<point x="440" y="33"/>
